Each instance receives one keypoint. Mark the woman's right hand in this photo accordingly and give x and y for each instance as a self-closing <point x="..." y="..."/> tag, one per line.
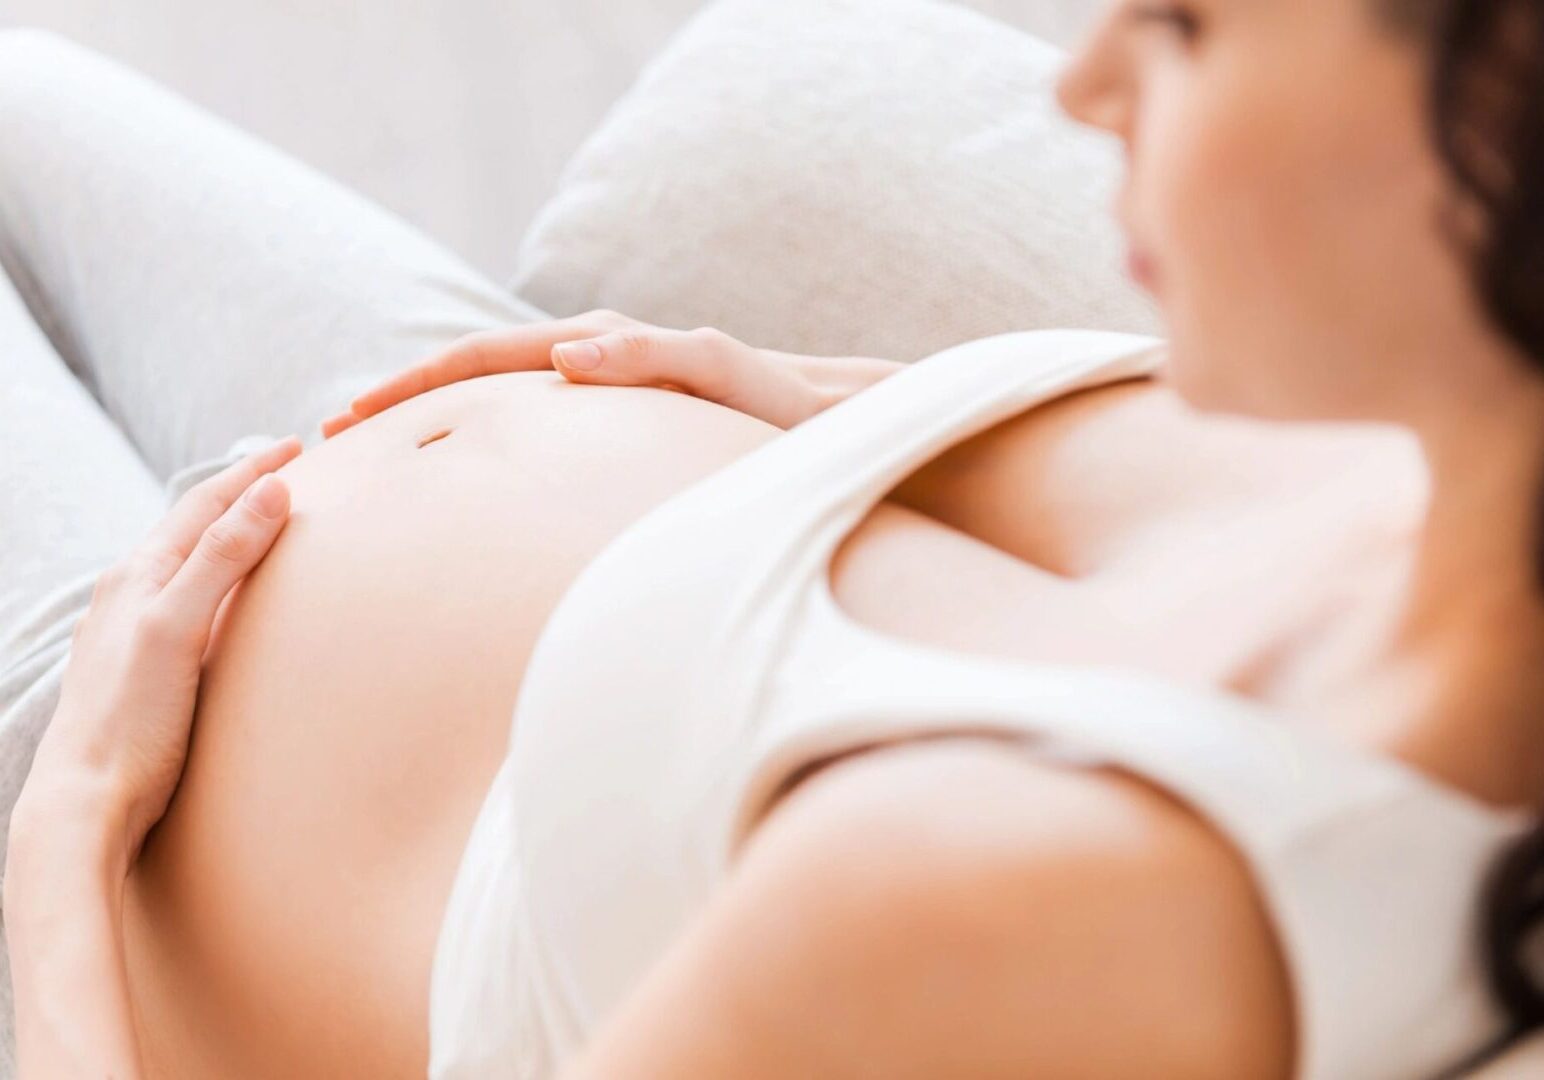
<point x="607" y="348"/>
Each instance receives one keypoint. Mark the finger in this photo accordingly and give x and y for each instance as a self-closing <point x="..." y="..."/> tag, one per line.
<point x="698" y="361"/>
<point x="171" y="541"/>
<point x="229" y="548"/>
<point x="515" y="348"/>
<point x="341" y="422"/>
<point x="705" y="363"/>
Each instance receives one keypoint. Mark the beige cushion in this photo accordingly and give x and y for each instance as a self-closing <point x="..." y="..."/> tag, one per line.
<point x="882" y="177"/>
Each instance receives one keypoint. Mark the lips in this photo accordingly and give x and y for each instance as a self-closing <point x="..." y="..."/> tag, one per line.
<point x="1140" y="266"/>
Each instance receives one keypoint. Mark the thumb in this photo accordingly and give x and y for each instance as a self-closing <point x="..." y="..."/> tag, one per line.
<point x="227" y="551"/>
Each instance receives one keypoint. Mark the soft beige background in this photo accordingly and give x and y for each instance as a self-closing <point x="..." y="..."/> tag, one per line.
<point x="458" y="114"/>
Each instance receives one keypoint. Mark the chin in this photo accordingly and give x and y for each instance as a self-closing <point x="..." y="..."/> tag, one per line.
<point x="1218" y="380"/>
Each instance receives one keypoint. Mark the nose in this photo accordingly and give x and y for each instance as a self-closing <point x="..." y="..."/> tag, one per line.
<point x="1096" y="86"/>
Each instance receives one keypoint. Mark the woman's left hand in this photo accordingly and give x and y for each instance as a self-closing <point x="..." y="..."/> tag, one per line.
<point x="120" y="733"/>
<point x="783" y="389"/>
<point x="107" y="766"/>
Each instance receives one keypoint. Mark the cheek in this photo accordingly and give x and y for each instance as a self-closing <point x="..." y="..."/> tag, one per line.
<point x="1276" y="221"/>
<point x="1225" y="232"/>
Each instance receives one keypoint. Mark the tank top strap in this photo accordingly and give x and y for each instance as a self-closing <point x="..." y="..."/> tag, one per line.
<point x="782" y="510"/>
<point x="835" y="466"/>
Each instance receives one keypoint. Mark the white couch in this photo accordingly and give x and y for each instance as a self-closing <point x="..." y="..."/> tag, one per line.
<point x="456" y="114"/>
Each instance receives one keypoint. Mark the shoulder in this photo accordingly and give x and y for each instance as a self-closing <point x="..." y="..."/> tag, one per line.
<point x="953" y="907"/>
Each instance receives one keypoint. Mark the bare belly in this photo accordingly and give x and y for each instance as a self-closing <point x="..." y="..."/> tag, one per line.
<point x="356" y="703"/>
<point x="358" y="695"/>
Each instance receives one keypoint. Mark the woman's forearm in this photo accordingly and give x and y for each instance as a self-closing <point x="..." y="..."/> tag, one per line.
<point x="106" y="768"/>
<point x="843" y="376"/>
<point x="980" y="485"/>
<point x="65" y="874"/>
<point x="976" y="486"/>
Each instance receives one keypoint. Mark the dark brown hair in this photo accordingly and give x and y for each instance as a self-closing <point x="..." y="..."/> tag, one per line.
<point x="1486" y="117"/>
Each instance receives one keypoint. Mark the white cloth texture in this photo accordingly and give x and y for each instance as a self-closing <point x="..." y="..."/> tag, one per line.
<point x="700" y="660"/>
<point x="182" y="292"/>
<point x="838" y="177"/>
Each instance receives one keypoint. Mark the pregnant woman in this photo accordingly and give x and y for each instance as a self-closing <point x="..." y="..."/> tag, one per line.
<point x="1042" y="708"/>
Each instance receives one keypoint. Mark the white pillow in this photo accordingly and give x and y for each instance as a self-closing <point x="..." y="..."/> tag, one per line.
<point x="877" y="177"/>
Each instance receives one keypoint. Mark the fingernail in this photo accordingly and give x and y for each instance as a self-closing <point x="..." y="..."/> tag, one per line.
<point x="580" y="355"/>
<point x="266" y="496"/>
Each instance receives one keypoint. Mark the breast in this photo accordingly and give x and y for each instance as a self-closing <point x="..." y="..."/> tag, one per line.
<point x="356" y="702"/>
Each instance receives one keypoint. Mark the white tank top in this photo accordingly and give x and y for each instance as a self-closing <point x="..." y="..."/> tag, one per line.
<point x="701" y="658"/>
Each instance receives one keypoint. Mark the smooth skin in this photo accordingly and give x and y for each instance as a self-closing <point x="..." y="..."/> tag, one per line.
<point x="1060" y="922"/>
<point x="814" y="870"/>
<point x="109" y="763"/>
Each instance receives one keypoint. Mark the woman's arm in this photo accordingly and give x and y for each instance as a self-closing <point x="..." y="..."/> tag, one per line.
<point x="951" y="908"/>
<point x="605" y="348"/>
<point x="65" y="870"/>
<point x="106" y="768"/>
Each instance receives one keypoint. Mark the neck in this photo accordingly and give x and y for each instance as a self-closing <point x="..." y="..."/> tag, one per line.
<point x="1477" y="557"/>
<point x="1462" y="662"/>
